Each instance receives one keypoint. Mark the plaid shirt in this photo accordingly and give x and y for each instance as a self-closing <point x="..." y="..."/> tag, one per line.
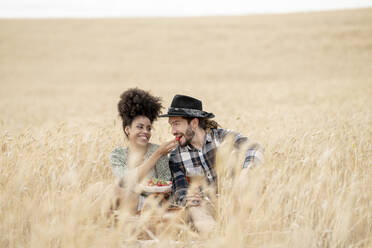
<point x="188" y="160"/>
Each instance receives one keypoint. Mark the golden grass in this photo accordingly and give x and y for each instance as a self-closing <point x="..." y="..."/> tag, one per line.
<point x="299" y="84"/>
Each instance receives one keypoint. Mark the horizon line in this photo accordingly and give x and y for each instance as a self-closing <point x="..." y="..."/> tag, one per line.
<point x="101" y="15"/>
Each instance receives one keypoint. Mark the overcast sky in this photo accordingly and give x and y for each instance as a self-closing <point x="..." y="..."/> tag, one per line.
<point x="141" y="8"/>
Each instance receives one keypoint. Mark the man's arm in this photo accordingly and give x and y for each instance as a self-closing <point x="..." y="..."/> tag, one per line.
<point x="254" y="152"/>
<point x="254" y="155"/>
<point x="179" y="182"/>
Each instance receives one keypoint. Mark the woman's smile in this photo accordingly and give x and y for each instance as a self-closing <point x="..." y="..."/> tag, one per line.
<point x="139" y="132"/>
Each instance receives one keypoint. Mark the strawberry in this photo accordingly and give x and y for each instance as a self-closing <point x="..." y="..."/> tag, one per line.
<point x="158" y="182"/>
<point x="152" y="182"/>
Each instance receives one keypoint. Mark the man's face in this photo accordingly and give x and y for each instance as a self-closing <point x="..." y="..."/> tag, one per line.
<point x="182" y="129"/>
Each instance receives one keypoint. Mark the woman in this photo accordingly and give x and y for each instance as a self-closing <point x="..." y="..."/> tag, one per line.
<point x="141" y="159"/>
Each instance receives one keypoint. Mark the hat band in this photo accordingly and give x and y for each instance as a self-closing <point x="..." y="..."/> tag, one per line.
<point x="190" y="112"/>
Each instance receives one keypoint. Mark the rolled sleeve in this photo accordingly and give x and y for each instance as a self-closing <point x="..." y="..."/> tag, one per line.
<point x="254" y="155"/>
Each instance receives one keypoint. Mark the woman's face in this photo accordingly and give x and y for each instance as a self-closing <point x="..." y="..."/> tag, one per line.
<point x="139" y="133"/>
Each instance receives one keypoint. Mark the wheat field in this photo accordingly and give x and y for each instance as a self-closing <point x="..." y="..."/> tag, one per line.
<point x="299" y="84"/>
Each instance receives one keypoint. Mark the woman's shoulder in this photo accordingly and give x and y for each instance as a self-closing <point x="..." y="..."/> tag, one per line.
<point x="120" y="149"/>
<point x="119" y="152"/>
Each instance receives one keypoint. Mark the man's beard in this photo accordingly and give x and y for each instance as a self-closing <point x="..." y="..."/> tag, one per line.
<point x="189" y="135"/>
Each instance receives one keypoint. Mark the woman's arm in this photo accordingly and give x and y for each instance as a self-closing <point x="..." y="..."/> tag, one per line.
<point x="162" y="150"/>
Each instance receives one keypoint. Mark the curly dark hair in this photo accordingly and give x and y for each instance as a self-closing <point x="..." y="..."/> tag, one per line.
<point x="135" y="102"/>
<point x="204" y="123"/>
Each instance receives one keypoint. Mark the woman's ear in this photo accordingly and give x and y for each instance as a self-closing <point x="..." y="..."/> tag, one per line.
<point x="126" y="130"/>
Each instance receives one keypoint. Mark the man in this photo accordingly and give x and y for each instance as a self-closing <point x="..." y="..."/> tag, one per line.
<point x="198" y="139"/>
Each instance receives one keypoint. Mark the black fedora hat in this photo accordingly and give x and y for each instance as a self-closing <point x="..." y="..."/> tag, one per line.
<point x="186" y="106"/>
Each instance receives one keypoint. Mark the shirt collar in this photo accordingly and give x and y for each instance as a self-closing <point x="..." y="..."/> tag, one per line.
<point x="208" y="139"/>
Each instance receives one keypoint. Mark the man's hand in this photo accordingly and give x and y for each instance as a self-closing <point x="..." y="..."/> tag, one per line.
<point x="193" y="200"/>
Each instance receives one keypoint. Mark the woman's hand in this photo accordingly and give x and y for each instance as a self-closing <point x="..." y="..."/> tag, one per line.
<point x="167" y="147"/>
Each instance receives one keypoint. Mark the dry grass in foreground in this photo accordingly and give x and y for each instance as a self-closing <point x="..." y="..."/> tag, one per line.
<point x="58" y="195"/>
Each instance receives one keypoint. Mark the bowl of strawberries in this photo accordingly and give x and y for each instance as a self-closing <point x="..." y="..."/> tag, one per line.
<point x="156" y="185"/>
